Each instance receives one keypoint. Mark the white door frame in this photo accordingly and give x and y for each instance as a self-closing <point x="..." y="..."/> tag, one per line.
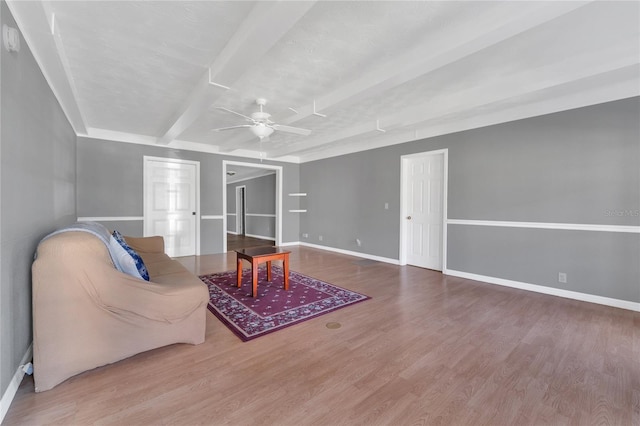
<point x="241" y="218"/>
<point x="278" y="170"/>
<point x="404" y="174"/>
<point x="146" y="160"/>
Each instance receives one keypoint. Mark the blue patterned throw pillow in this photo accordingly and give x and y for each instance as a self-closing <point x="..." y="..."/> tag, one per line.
<point x="139" y="264"/>
<point x="122" y="260"/>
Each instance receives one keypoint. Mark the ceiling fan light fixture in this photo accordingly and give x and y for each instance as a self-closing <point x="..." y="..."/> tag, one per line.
<point x="262" y="126"/>
<point x="261" y="130"/>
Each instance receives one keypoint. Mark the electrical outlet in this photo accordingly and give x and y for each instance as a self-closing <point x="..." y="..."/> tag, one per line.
<point x="562" y="277"/>
<point x="320" y="237"/>
<point x="358" y="242"/>
<point x="305" y="235"/>
<point x="386" y="206"/>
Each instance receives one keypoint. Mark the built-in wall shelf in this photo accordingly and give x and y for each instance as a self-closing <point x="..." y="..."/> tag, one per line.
<point x="298" y="194"/>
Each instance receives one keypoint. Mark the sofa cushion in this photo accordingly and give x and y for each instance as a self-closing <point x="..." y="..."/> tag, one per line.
<point x="144" y="245"/>
<point x="140" y="270"/>
<point x="157" y="269"/>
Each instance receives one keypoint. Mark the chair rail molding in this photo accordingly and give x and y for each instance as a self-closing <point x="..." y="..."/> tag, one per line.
<point x="548" y="225"/>
<point x="109" y="218"/>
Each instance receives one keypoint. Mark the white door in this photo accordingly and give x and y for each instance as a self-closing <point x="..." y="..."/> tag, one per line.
<point x="423" y="210"/>
<point x="170" y="204"/>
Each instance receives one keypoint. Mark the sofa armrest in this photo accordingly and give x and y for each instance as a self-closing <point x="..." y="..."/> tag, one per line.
<point x="146" y="244"/>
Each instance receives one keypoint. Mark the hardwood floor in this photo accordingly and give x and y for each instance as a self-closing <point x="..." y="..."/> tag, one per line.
<point x="426" y="349"/>
<point x="241" y="241"/>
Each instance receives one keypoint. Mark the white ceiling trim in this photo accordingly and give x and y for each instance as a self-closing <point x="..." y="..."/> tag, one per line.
<point x="605" y="93"/>
<point x="115" y="136"/>
<point x="49" y="54"/>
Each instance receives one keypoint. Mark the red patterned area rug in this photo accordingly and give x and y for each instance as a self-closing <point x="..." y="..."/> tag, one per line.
<point x="274" y="308"/>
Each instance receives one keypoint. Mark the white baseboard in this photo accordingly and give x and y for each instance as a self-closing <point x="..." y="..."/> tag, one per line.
<point x="14" y="384"/>
<point x="290" y="243"/>
<point x="261" y="237"/>
<point x="352" y="253"/>
<point x="584" y="297"/>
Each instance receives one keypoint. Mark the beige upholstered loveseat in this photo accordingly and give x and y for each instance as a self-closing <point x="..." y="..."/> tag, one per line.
<point x="87" y="314"/>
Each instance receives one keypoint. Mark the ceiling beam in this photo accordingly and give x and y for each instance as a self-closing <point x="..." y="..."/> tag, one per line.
<point x="612" y="90"/>
<point x="586" y="66"/>
<point x="460" y="41"/>
<point x="265" y="25"/>
<point x="203" y="94"/>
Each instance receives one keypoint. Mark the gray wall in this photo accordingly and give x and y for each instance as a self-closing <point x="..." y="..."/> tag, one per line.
<point x="37" y="189"/>
<point x="598" y="263"/>
<point x="110" y="180"/>
<point x="260" y="194"/>
<point x="580" y="166"/>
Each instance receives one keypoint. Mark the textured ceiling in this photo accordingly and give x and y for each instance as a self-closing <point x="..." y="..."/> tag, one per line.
<point x="383" y="72"/>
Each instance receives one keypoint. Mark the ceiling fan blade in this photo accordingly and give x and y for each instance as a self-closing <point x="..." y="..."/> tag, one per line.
<point x="236" y="113"/>
<point x="232" y="127"/>
<point x="289" y="129"/>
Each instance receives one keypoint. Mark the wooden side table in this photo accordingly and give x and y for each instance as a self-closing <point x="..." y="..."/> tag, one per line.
<point x="257" y="255"/>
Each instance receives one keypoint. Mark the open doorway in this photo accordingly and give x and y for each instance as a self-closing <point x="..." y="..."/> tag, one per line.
<point x="241" y="210"/>
<point x="252" y="202"/>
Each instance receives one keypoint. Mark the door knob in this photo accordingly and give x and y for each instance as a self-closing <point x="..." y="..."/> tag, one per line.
<point x="409" y="217"/>
<point x="193" y="213"/>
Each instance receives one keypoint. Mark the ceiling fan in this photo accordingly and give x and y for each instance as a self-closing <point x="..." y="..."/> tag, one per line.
<point x="261" y="125"/>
